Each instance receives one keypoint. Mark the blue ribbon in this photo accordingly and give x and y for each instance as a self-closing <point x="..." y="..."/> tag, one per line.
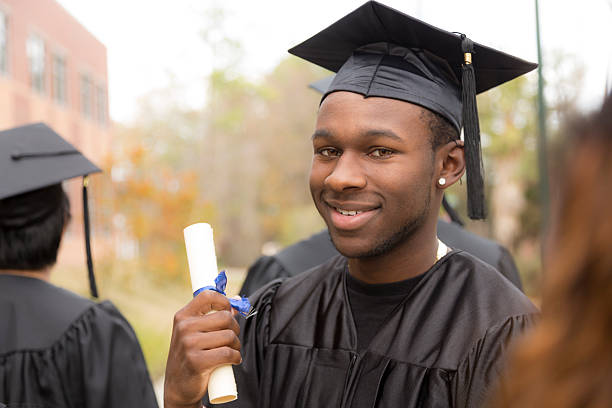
<point x="243" y="306"/>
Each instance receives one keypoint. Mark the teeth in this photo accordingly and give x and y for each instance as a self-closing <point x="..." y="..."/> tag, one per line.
<point x="348" y="212"/>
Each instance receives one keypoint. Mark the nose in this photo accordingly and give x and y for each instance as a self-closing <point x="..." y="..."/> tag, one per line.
<point x="347" y="174"/>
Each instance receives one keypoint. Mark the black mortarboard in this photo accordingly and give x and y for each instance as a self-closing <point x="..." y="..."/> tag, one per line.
<point x="34" y="159"/>
<point x="379" y="51"/>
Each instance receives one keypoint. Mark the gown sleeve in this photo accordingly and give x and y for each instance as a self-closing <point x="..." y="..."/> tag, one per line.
<point x="114" y="370"/>
<point x="477" y="373"/>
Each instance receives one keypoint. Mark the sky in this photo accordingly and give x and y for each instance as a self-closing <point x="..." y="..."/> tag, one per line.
<point x="152" y="44"/>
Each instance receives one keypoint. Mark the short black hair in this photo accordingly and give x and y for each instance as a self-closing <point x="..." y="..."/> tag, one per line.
<point x="441" y="129"/>
<point x="34" y="246"/>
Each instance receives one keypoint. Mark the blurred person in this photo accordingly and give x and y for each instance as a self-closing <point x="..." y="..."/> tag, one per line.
<point x="57" y="349"/>
<point x="398" y="319"/>
<point x="566" y="362"/>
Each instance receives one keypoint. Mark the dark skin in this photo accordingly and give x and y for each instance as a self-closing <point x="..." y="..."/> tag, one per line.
<point x="200" y="343"/>
<point x="374" y="155"/>
<point x="371" y="155"/>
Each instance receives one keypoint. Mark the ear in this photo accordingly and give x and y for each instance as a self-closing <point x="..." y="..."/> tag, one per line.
<point x="450" y="163"/>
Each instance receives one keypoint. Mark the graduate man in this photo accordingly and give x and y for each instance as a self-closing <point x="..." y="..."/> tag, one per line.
<point x="398" y="319"/>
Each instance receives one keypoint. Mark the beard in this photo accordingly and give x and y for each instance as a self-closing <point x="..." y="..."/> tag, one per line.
<point x="389" y="242"/>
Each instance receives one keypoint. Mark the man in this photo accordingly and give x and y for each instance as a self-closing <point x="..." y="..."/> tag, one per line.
<point x="57" y="349"/>
<point x="398" y="320"/>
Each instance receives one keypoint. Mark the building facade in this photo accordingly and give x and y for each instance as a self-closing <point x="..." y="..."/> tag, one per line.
<point x="53" y="70"/>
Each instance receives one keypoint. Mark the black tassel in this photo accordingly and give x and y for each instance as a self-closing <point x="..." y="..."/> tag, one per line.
<point x="93" y="288"/>
<point x="471" y="133"/>
<point x="454" y="216"/>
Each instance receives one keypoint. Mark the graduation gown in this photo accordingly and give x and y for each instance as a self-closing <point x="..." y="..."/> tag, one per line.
<point x="442" y="346"/>
<point x="58" y="349"/>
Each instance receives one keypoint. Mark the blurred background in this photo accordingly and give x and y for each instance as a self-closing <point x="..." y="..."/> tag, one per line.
<point x="197" y="113"/>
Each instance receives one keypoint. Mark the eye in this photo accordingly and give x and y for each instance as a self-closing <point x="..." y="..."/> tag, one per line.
<point x="328" y="152"/>
<point x="381" y="152"/>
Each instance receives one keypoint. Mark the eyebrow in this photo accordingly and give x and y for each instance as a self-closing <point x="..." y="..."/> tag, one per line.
<point x="321" y="134"/>
<point x="326" y="134"/>
<point x="383" y="133"/>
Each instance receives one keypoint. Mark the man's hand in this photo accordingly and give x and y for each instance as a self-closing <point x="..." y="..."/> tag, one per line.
<point x="200" y="343"/>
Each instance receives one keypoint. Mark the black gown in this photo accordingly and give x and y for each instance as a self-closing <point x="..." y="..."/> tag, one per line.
<point x="58" y="349"/>
<point x="442" y="346"/>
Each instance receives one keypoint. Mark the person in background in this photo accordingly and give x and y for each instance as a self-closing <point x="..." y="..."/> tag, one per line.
<point x="57" y="349"/>
<point x="566" y="362"/>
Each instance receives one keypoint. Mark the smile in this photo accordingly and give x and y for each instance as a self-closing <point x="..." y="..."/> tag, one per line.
<point x="346" y="219"/>
<point x="347" y="212"/>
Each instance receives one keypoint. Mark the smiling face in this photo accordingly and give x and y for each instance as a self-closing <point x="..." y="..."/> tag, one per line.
<point x="372" y="176"/>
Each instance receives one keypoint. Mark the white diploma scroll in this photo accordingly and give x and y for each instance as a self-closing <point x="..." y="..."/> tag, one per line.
<point x="203" y="270"/>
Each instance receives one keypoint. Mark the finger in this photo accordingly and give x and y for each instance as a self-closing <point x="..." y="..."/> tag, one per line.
<point x="210" y="323"/>
<point x="202" y="304"/>
<point x="235" y="312"/>
<point x="210" y="359"/>
<point x="212" y="340"/>
<point x="208" y="300"/>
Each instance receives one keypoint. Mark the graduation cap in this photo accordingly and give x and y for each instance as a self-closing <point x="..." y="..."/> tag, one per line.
<point x="34" y="159"/>
<point x="379" y="51"/>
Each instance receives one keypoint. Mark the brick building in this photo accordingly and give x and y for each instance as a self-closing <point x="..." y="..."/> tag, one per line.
<point x="53" y="70"/>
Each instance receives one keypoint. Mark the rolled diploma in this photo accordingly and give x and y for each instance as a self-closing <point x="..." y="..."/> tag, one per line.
<point x="203" y="270"/>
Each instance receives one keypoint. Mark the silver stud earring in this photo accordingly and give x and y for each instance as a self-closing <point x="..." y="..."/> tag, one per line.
<point x="442" y="181"/>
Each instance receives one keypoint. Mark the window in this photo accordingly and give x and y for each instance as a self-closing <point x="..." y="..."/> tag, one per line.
<point x="101" y="102"/>
<point x="3" y="43"/>
<point x="86" y="96"/>
<point x="59" y="79"/>
<point x="35" y="48"/>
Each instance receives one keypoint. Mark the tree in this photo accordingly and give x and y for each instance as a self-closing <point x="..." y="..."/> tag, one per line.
<point x="258" y="142"/>
<point x="154" y="198"/>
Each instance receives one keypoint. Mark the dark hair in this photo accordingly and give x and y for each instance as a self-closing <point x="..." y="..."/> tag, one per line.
<point x="441" y="129"/>
<point x="566" y="360"/>
<point x="34" y="246"/>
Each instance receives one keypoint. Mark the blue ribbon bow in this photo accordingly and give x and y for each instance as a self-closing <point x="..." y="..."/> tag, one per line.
<point x="243" y="306"/>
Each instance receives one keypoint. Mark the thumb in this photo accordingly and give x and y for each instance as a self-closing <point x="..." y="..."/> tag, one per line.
<point x="234" y="311"/>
